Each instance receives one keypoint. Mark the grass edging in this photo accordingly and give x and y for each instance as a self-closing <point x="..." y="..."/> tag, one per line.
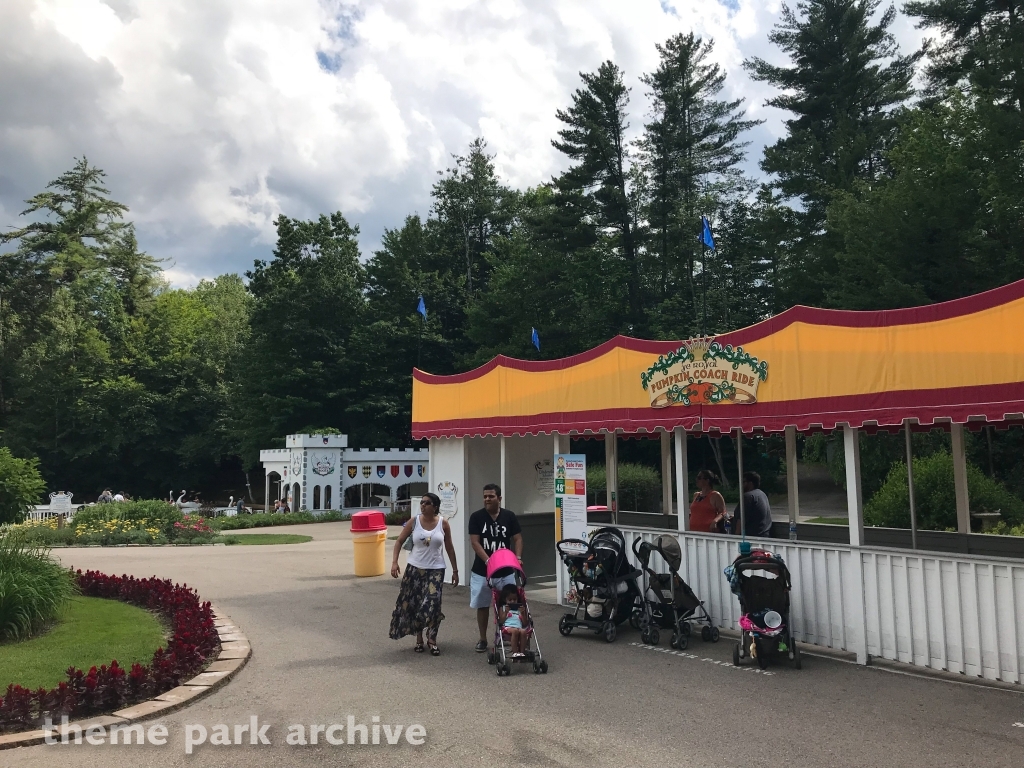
<point x="167" y="702"/>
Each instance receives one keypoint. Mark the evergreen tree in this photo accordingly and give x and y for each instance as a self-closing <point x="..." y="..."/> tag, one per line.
<point x="690" y="154"/>
<point x="981" y="45"/>
<point x="306" y="303"/>
<point x="846" y="79"/>
<point x="597" y="184"/>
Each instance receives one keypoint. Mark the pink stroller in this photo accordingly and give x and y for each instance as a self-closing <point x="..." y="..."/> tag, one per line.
<point x="501" y="565"/>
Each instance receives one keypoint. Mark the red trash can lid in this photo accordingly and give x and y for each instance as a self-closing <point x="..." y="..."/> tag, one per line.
<point x="368" y="520"/>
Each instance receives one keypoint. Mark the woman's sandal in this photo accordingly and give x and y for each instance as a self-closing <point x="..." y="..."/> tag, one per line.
<point x="418" y="648"/>
<point x="434" y="650"/>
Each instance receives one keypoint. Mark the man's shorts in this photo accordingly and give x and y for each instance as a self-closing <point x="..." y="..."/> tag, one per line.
<point x="480" y="593"/>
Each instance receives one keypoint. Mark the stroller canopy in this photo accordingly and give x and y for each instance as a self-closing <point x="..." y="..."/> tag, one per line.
<point x="668" y="548"/>
<point x="504" y="563"/>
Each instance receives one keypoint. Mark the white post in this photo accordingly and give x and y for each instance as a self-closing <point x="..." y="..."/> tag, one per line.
<point x="792" y="483"/>
<point x="561" y="584"/>
<point x="666" y="473"/>
<point x="682" y="481"/>
<point x="910" y="485"/>
<point x="611" y="472"/>
<point x="504" y="462"/>
<point x="963" y="508"/>
<point x="739" y="464"/>
<point x="855" y="507"/>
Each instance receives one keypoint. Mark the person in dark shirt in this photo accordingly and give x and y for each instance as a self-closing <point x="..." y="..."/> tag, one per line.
<point x="490" y="529"/>
<point x="757" y="512"/>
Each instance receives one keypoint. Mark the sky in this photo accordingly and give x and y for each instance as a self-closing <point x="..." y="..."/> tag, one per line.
<point x="212" y="117"/>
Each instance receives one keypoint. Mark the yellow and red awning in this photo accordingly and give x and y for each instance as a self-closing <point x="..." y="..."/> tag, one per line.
<point x="957" y="360"/>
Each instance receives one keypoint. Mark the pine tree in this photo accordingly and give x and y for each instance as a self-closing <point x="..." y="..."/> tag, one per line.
<point x="847" y="78"/>
<point x="981" y="45"/>
<point x="691" y="154"/>
<point x="594" y="139"/>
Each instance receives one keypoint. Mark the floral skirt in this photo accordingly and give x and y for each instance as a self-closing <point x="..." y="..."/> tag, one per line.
<point x="418" y="607"/>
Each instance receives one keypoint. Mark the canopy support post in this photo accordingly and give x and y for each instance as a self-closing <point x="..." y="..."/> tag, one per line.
<point x="910" y="485"/>
<point x="682" y="482"/>
<point x="266" y="494"/>
<point x="792" y="482"/>
<point x="504" y="464"/>
<point x="666" y="473"/>
<point x="611" y="472"/>
<point x="855" y="507"/>
<point x="963" y="507"/>
<point x="739" y="464"/>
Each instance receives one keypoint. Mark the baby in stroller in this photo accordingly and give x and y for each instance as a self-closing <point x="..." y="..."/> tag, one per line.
<point x="513" y="619"/>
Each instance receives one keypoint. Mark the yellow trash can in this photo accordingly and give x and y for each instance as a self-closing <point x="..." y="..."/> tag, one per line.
<point x="369" y="534"/>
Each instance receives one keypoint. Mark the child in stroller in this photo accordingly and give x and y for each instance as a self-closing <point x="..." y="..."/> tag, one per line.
<point x="761" y="581"/>
<point x="668" y="602"/>
<point x="513" y="619"/>
<point x="604" y="583"/>
<point x="513" y="625"/>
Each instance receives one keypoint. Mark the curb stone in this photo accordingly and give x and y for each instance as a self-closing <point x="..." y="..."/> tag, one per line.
<point x="234" y="654"/>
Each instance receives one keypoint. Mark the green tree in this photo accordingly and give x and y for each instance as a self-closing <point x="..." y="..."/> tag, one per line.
<point x="845" y="82"/>
<point x="948" y="222"/>
<point x="597" y="184"/>
<point x="980" y="46"/>
<point x="296" y="366"/>
<point x="690" y="154"/>
<point x="21" y="486"/>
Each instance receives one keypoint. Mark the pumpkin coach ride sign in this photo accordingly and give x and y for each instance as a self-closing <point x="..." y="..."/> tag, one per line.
<point x="703" y="372"/>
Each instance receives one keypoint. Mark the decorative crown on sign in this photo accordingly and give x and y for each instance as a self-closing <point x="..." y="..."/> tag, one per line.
<point x="698" y="347"/>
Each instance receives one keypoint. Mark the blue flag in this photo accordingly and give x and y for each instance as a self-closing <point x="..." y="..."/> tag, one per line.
<point x="706" y="237"/>
<point x="422" y="308"/>
<point x="535" y="338"/>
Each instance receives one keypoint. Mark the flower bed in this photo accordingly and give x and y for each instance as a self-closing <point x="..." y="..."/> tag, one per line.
<point x="110" y="687"/>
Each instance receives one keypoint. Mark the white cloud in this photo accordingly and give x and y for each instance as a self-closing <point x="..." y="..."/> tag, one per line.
<point x="211" y="117"/>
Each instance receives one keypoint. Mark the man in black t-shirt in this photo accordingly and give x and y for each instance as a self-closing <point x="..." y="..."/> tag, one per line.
<point x="490" y="529"/>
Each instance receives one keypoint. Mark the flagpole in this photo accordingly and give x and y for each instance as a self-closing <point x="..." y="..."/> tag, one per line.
<point x="704" y="281"/>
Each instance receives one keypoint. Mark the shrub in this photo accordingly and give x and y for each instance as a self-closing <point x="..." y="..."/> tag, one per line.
<point x="639" y="485"/>
<point x="21" y="486"/>
<point x="109" y="687"/>
<point x="155" y="513"/>
<point x="268" y="520"/>
<point x="935" y="496"/>
<point x="34" y="588"/>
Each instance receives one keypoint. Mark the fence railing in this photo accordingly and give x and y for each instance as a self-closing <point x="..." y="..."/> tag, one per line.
<point x="960" y="613"/>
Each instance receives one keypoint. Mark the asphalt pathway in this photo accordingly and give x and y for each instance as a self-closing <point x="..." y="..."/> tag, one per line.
<point x="321" y="653"/>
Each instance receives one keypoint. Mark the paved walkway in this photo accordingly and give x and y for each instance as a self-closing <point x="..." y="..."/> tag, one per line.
<point x="321" y="653"/>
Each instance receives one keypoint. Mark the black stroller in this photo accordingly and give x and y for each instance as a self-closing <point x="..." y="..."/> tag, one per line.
<point x="761" y="581"/>
<point x="668" y="602"/>
<point x="604" y="583"/>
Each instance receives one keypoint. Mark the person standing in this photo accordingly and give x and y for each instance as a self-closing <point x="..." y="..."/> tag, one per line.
<point x="757" y="511"/>
<point x="490" y="529"/>
<point x="707" y="510"/>
<point x="418" y="607"/>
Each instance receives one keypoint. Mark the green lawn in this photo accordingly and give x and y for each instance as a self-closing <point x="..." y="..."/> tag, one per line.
<point x="92" y="632"/>
<point x="265" y="538"/>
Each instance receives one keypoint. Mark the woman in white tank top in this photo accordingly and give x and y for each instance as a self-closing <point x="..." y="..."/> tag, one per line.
<point x="418" y="607"/>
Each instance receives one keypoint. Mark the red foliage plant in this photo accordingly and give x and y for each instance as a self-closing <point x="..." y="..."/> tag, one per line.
<point x="109" y="687"/>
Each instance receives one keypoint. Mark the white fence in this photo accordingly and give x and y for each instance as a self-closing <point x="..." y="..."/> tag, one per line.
<point x="957" y="613"/>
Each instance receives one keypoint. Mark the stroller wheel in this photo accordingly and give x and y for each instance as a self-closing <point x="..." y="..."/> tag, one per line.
<point x="491" y="657"/>
<point x="654" y="635"/>
<point x="796" y="657"/>
<point x="564" y="626"/>
<point x="687" y="629"/>
<point x="679" y="641"/>
<point x="608" y="630"/>
<point x="543" y="667"/>
<point x="705" y="633"/>
<point x="715" y="634"/>
<point x="634" y="619"/>
<point x="736" y="655"/>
